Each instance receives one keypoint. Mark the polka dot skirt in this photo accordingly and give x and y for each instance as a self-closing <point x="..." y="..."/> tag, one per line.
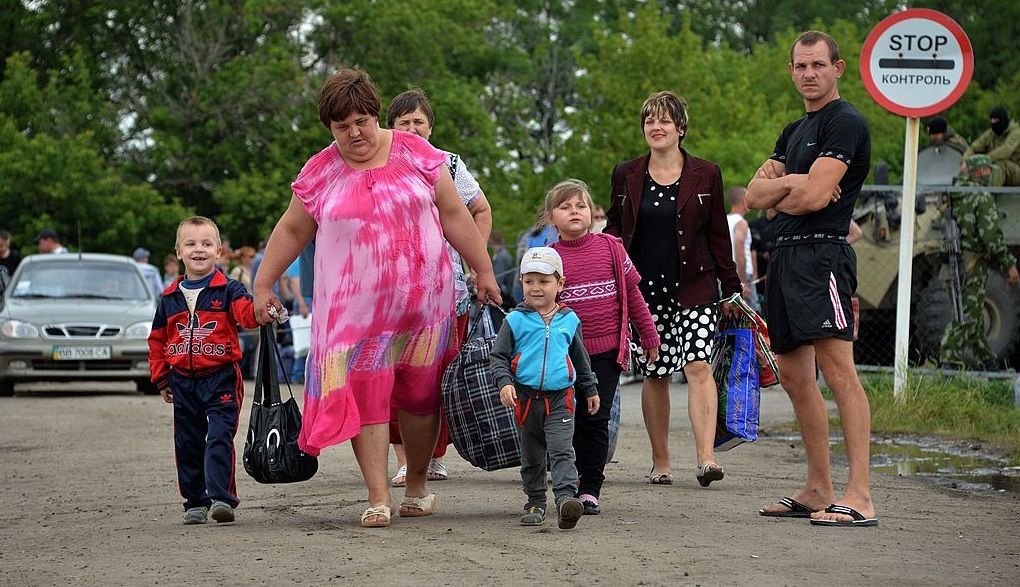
<point x="686" y="333"/>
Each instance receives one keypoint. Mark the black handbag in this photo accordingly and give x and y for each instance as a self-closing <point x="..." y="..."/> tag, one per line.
<point x="271" y="453"/>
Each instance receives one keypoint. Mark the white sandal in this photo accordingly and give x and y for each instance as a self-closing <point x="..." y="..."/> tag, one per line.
<point x="400" y="479"/>
<point x="437" y="471"/>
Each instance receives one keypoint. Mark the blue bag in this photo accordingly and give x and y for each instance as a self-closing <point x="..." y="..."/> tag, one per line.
<point x="735" y="367"/>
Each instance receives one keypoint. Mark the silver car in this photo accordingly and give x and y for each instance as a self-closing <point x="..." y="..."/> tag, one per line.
<point x="75" y="316"/>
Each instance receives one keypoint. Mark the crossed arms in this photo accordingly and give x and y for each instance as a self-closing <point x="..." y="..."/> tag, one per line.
<point x="796" y="193"/>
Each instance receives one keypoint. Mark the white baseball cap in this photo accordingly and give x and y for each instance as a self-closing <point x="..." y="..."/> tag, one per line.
<point x="543" y="260"/>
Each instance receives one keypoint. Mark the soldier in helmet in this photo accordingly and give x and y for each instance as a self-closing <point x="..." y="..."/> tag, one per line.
<point x="981" y="241"/>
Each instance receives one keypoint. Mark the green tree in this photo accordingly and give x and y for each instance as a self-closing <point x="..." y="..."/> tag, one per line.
<point x="54" y="173"/>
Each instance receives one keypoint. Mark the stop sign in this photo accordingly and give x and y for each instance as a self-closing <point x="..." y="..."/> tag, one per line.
<point x="917" y="62"/>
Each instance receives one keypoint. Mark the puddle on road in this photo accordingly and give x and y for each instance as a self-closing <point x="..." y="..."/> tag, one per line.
<point x="959" y="467"/>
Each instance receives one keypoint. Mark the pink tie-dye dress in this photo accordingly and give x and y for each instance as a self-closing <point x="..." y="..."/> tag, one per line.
<point x="384" y="298"/>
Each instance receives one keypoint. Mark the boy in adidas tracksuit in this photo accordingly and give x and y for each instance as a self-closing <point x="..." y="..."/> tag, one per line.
<point x="194" y="355"/>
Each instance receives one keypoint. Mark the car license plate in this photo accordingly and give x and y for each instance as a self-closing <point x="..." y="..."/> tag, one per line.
<point x="80" y="353"/>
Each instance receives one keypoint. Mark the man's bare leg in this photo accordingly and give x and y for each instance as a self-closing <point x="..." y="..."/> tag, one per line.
<point x="836" y="359"/>
<point x="797" y="375"/>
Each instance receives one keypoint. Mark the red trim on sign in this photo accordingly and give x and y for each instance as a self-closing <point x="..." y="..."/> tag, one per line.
<point x="927" y="14"/>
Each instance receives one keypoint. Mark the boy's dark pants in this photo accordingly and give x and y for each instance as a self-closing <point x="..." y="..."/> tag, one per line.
<point x="591" y="433"/>
<point x="206" y="412"/>
<point x="546" y="419"/>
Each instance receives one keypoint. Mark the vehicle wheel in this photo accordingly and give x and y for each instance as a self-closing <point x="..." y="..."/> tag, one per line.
<point x="932" y="312"/>
<point x="147" y="387"/>
<point x="1002" y="322"/>
<point x="6" y="387"/>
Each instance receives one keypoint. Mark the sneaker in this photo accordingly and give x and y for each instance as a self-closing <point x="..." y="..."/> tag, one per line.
<point x="221" y="512"/>
<point x="437" y="471"/>
<point x="197" y="515"/>
<point x="569" y="511"/>
<point x="591" y="504"/>
<point x="534" y="515"/>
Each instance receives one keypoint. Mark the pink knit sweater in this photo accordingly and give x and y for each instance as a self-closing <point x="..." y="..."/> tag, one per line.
<point x="602" y="288"/>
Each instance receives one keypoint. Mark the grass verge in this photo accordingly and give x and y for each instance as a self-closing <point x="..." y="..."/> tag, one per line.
<point x="954" y="407"/>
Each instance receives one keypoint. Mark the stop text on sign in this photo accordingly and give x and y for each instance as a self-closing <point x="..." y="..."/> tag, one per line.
<point x="924" y="42"/>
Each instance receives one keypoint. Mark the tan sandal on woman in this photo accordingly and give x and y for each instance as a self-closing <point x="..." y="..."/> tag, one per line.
<point x="381" y="513"/>
<point x="417" y="507"/>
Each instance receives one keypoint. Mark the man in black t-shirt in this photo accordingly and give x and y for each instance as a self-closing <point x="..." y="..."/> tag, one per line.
<point x="813" y="179"/>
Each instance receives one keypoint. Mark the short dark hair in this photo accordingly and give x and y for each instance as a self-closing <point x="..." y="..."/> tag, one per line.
<point x="808" y="38"/>
<point x="407" y="103"/>
<point x="346" y="92"/>
<point x="666" y="102"/>
<point x="5" y="234"/>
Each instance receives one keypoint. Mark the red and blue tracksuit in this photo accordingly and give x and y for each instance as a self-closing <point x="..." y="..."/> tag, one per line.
<point x="196" y="355"/>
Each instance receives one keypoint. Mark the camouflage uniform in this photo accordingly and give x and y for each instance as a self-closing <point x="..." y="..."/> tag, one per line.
<point x="1004" y="151"/>
<point x="981" y="242"/>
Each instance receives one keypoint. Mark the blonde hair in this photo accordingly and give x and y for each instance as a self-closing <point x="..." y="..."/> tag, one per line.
<point x="197" y="221"/>
<point x="666" y="102"/>
<point x="561" y="192"/>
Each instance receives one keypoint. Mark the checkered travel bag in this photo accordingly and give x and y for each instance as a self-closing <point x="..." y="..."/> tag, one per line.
<point x="482" y="429"/>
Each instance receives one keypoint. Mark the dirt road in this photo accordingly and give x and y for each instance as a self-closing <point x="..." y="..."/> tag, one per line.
<point x="88" y="496"/>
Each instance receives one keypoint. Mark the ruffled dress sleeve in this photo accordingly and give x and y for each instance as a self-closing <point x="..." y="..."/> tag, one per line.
<point x="424" y="159"/>
<point x="316" y="176"/>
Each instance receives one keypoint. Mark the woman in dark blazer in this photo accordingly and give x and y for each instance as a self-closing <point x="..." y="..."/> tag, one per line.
<point x="667" y="206"/>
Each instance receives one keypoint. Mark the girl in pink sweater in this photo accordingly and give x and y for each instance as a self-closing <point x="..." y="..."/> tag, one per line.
<point x="602" y="289"/>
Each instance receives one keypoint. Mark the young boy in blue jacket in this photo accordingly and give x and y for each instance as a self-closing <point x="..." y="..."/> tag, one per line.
<point x="537" y="360"/>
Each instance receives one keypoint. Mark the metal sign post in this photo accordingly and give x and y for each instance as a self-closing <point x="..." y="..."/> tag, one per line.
<point x="914" y="63"/>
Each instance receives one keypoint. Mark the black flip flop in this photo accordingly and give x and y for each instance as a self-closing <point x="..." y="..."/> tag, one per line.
<point x="858" y="517"/>
<point x="795" y="510"/>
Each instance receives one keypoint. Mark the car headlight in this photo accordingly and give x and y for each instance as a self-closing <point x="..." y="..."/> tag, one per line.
<point x="18" y="329"/>
<point x="138" y="330"/>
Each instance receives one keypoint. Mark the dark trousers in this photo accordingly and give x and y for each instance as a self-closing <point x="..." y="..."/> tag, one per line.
<point x="206" y="412"/>
<point x="591" y="432"/>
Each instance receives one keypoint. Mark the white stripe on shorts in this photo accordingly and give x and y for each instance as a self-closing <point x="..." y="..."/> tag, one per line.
<point x="837" y="307"/>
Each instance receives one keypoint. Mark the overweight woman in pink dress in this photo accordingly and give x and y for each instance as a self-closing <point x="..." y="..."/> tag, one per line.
<point x="378" y="203"/>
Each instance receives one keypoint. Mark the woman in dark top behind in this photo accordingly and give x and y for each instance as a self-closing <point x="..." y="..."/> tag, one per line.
<point x="667" y="206"/>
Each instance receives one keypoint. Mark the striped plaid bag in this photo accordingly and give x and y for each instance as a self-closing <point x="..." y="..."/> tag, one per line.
<point x="482" y="429"/>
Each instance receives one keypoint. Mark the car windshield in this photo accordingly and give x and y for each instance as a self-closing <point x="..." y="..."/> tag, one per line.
<point x="80" y="279"/>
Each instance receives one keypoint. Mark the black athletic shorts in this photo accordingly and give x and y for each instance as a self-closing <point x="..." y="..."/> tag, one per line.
<point x="808" y="291"/>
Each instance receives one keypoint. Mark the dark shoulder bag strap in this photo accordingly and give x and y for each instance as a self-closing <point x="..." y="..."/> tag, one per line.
<point x="267" y="383"/>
